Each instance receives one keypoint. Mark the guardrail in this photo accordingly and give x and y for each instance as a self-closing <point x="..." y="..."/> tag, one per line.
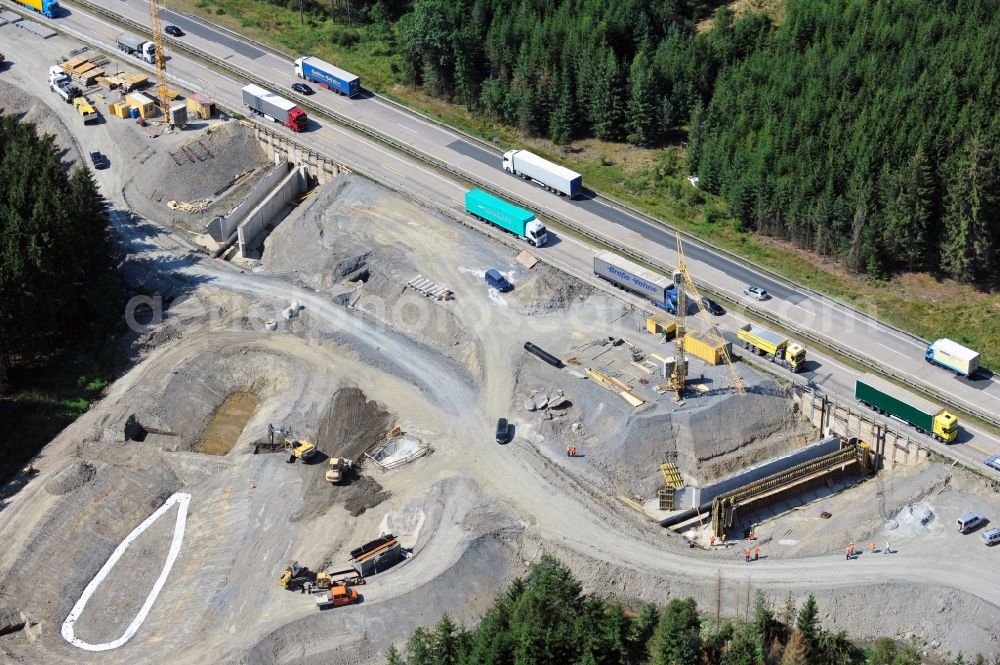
<point x="568" y="223"/>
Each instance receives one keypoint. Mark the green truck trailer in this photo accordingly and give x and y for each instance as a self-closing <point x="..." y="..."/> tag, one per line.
<point x="506" y="216"/>
<point x="889" y="399"/>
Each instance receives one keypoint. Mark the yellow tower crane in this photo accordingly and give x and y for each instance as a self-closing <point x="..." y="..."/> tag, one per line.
<point x="683" y="283"/>
<point x="162" y="92"/>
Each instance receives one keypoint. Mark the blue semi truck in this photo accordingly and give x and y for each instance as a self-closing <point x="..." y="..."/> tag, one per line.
<point x="498" y="212"/>
<point x="47" y="8"/>
<point x="326" y="75"/>
<point x="624" y="274"/>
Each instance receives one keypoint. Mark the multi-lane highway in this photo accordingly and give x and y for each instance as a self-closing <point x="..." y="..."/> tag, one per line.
<point x="835" y="324"/>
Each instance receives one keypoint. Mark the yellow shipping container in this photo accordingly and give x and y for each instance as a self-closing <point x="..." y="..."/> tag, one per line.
<point x="705" y="346"/>
<point x="146" y="106"/>
<point x="120" y="109"/>
<point x="661" y="325"/>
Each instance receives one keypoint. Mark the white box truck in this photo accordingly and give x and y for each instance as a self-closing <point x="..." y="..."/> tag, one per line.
<point x="953" y="356"/>
<point x="552" y="177"/>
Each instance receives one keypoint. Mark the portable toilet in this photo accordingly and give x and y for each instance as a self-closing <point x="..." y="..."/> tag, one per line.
<point x="133" y="112"/>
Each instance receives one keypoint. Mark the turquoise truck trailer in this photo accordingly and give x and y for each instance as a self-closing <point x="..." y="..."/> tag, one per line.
<point x="510" y="218"/>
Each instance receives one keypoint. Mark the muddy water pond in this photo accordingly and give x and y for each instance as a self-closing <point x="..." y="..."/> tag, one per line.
<point x="227" y="423"/>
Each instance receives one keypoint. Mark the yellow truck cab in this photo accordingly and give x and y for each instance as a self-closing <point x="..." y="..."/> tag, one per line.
<point x="773" y="346"/>
<point x="945" y="427"/>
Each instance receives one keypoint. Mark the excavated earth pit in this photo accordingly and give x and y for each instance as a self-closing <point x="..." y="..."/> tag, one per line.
<point x="227" y="424"/>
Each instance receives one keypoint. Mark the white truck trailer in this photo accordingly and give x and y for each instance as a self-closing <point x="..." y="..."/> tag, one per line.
<point x="552" y="177"/>
<point x="953" y="356"/>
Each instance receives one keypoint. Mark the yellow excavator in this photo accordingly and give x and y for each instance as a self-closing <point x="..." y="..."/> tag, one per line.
<point x="296" y="448"/>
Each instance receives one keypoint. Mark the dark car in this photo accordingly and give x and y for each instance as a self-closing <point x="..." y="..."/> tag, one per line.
<point x="173" y="31"/>
<point x="99" y="160"/>
<point x="498" y="281"/>
<point x="302" y="89"/>
<point x="503" y="430"/>
<point x="712" y="307"/>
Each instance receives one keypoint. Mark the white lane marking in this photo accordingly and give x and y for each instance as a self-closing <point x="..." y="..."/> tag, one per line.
<point x="175" y="547"/>
<point x="409" y="129"/>
<point x="889" y="348"/>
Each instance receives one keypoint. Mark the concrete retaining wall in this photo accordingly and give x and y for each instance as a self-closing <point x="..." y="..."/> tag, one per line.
<point x="698" y="496"/>
<point x="892" y="442"/>
<point x="253" y="228"/>
<point x="236" y="216"/>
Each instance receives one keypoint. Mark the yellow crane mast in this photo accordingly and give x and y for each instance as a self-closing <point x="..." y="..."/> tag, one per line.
<point x="684" y="283"/>
<point x="161" y="60"/>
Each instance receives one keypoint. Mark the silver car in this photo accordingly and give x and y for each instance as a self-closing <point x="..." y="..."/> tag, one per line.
<point x="993" y="461"/>
<point x="756" y="292"/>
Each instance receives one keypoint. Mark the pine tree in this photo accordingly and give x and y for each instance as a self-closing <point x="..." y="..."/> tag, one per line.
<point x="909" y="211"/>
<point x="418" y="648"/>
<point x="643" y="628"/>
<point x="393" y="657"/>
<point x="969" y="243"/>
<point x="742" y="649"/>
<point x="444" y="642"/>
<point x="807" y="624"/>
<point x="607" y="108"/>
<point x="562" y="120"/>
<point x="641" y="109"/>
<point x="677" y="640"/>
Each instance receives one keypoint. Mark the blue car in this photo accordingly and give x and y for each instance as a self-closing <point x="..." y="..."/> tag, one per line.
<point x="498" y="281"/>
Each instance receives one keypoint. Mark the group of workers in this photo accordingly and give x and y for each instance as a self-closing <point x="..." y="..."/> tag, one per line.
<point x="852" y="549"/>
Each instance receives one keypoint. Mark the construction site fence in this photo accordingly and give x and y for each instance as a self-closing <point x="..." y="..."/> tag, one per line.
<point x="600" y="238"/>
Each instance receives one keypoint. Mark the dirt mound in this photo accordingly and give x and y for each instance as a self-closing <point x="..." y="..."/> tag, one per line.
<point x="340" y="223"/>
<point x="351" y="425"/>
<point x="549" y="291"/>
<point x="201" y="168"/>
<point x="72" y="477"/>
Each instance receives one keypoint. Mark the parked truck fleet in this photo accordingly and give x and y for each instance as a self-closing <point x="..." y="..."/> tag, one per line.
<point x="902" y="405"/>
<point x="138" y="47"/>
<point x="503" y="215"/>
<point x="47" y="8"/>
<point x="634" y="278"/>
<point x="328" y="76"/>
<point x="276" y="109"/>
<point x="552" y="177"/>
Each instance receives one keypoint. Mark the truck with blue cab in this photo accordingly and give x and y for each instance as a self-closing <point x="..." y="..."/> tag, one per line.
<point x="327" y="76"/>
<point x="659" y="290"/>
<point x="47" y="8"/>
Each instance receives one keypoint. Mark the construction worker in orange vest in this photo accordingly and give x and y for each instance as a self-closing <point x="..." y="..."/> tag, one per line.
<point x="873" y="547"/>
<point x="746" y="553"/>
<point x="756" y="552"/>
<point x="711" y="540"/>
<point x="847" y="553"/>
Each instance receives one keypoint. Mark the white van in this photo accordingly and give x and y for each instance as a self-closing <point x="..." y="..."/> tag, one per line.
<point x="969" y="521"/>
<point x="990" y="537"/>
